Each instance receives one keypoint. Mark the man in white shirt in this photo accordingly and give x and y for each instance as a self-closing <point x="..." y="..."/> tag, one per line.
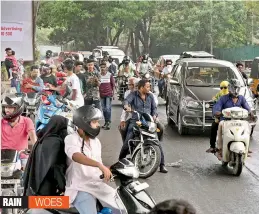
<point x="166" y="71"/>
<point x="72" y="81"/>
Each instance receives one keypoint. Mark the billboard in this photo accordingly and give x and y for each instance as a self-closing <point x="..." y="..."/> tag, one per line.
<point x="17" y="28"/>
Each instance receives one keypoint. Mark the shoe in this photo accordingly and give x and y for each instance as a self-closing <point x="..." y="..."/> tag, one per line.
<point x="107" y="127"/>
<point x="163" y="169"/>
<point x="104" y="126"/>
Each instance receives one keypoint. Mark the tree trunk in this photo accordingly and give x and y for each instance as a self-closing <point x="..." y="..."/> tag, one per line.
<point x="127" y="45"/>
<point x="132" y="45"/>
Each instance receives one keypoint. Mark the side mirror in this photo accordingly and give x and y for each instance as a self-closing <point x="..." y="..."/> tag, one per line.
<point x="250" y="81"/>
<point x="174" y="81"/>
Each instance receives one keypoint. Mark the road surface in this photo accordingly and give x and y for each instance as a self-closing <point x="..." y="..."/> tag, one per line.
<point x="200" y="179"/>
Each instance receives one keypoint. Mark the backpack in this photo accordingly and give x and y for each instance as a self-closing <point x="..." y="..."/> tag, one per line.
<point x="112" y="69"/>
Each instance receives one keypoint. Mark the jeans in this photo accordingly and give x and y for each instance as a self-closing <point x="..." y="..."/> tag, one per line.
<point x="125" y="147"/>
<point x="213" y="134"/>
<point x="161" y="85"/>
<point x="91" y="101"/>
<point x="107" y="108"/>
<point x="85" y="203"/>
<point x="10" y="73"/>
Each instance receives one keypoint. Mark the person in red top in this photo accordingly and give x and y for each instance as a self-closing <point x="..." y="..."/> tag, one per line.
<point x="33" y="83"/>
<point x="10" y="62"/>
<point x="15" y="128"/>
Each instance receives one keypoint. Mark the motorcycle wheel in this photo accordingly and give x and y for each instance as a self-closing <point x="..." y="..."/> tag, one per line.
<point x="238" y="164"/>
<point x="137" y="158"/>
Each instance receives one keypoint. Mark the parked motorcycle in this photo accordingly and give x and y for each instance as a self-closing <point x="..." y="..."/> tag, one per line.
<point x="131" y="196"/>
<point x="32" y="103"/>
<point x="236" y="138"/>
<point x="11" y="175"/>
<point x="144" y="147"/>
<point x="53" y="105"/>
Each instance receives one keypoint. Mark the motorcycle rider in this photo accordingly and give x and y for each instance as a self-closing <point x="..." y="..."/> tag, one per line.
<point x="72" y="81"/>
<point x="77" y="69"/>
<point x="240" y="68"/>
<point x="233" y="99"/>
<point x="112" y="66"/>
<point x="92" y="77"/>
<point x="47" y="76"/>
<point x="83" y="149"/>
<point x="33" y="83"/>
<point x="143" y="102"/>
<point x="126" y="61"/>
<point x="14" y="127"/>
<point x="144" y="66"/>
<point x="214" y="126"/>
<point x="167" y="70"/>
<point x="49" y="59"/>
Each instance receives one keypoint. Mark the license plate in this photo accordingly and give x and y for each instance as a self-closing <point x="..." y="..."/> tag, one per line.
<point x="31" y="107"/>
<point x="10" y="181"/>
<point x="141" y="187"/>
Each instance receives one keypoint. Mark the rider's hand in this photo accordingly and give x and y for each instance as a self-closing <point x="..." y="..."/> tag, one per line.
<point x="252" y="117"/>
<point x="122" y="124"/>
<point x="217" y="113"/>
<point x="106" y="172"/>
<point x="155" y="118"/>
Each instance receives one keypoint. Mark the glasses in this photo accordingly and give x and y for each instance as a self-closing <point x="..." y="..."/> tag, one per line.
<point x="131" y="84"/>
<point x="103" y="67"/>
<point x="223" y="87"/>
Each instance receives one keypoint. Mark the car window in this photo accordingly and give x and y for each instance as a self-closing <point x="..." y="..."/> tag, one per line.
<point x="97" y="53"/>
<point x="211" y="76"/>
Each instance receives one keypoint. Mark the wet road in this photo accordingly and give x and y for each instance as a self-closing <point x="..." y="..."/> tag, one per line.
<point x="200" y="179"/>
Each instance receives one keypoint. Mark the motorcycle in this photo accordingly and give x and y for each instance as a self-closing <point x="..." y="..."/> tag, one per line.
<point x="131" y="196"/>
<point x="32" y="103"/>
<point x="11" y="175"/>
<point x="236" y="138"/>
<point x="53" y="105"/>
<point x="122" y="82"/>
<point x="144" y="147"/>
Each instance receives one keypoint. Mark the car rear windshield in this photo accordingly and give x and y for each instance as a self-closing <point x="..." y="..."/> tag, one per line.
<point x="211" y="75"/>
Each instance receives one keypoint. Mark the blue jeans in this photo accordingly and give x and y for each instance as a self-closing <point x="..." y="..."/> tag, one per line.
<point x="85" y="203"/>
<point x="161" y="85"/>
<point x="106" y="107"/>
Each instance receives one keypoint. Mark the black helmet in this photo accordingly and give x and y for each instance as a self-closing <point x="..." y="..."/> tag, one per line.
<point x="234" y="88"/>
<point x="82" y="118"/>
<point x="126" y="60"/>
<point x="48" y="53"/>
<point x="12" y="100"/>
<point x="145" y="57"/>
<point x="92" y="57"/>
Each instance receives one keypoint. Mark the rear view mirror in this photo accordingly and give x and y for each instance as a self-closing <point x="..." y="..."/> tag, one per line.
<point x="174" y="81"/>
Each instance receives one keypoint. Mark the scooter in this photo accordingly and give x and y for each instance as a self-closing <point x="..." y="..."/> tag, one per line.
<point x="53" y="105"/>
<point x="236" y="138"/>
<point x="131" y="196"/>
<point x="11" y="175"/>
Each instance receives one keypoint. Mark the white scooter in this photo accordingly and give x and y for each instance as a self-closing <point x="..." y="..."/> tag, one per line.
<point x="236" y="138"/>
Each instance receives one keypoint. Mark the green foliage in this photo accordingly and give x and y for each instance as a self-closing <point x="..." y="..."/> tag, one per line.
<point x="188" y="24"/>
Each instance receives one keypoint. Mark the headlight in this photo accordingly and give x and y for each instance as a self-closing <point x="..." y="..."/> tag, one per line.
<point x="7" y="169"/>
<point x="152" y="127"/>
<point x="129" y="172"/>
<point x="191" y="104"/>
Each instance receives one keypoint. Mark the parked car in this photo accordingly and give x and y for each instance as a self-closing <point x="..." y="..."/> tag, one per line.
<point x="193" y="83"/>
<point x="65" y="54"/>
<point x="113" y="51"/>
<point x="196" y="54"/>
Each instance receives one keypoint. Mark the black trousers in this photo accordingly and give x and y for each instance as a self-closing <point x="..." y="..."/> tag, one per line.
<point x="91" y="101"/>
<point x="213" y="134"/>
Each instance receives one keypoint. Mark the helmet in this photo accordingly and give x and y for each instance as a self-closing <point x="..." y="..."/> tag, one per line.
<point x="45" y="68"/>
<point x="126" y="58"/>
<point x="110" y="59"/>
<point x="234" y="88"/>
<point x="82" y="118"/>
<point x="92" y="57"/>
<point x="145" y="57"/>
<point x="168" y="61"/>
<point x="43" y="62"/>
<point x="48" y="53"/>
<point x="12" y="100"/>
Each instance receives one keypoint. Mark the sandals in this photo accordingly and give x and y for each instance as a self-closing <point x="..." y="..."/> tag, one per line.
<point x="219" y="154"/>
<point x="211" y="150"/>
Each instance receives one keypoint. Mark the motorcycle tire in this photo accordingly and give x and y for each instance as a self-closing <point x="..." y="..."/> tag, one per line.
<point x="156" y="165"/>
